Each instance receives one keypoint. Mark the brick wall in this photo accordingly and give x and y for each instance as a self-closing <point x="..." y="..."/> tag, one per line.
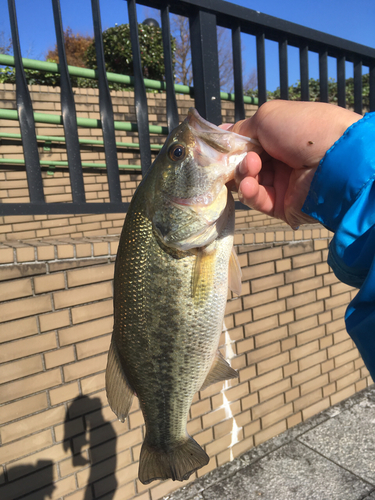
<point x="13" y="184"/>
<point x="285" y="335"/>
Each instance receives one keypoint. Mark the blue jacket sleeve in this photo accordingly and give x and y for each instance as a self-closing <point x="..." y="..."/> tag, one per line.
<point x="342" y="198"/>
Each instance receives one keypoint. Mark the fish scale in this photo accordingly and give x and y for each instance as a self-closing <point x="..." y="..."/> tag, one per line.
<point x="170" y="291"/>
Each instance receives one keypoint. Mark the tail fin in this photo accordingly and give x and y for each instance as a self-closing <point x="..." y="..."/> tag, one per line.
<point x="177" y="463"/>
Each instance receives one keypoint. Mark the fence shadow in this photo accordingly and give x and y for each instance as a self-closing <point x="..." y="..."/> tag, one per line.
<point x="96" y="446"/>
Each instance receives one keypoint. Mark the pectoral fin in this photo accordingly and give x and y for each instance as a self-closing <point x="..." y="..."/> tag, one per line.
<point x="220" y="371"/>
<point x="119" y="392"/>
<point x="235" y="273"/>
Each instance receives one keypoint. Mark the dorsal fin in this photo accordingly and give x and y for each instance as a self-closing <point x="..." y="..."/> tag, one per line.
<point x="234" y="274"/>
<point x="220" y="371"/>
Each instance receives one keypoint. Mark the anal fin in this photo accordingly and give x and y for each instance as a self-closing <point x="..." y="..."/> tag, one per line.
<point x="220" y="371"/>
<point x="119" y="392"/>
<point x="235" y="273"/>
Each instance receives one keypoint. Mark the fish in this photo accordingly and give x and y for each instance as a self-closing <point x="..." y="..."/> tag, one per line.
<point x="174" y="263"/>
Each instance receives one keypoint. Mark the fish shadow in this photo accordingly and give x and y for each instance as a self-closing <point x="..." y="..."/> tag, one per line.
<point x="37" y="481"/>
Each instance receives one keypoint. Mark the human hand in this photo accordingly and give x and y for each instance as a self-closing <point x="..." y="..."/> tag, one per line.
<point x="295" y="136"/>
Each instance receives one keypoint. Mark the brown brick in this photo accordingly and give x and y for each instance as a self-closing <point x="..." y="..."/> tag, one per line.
<point x="313" y="384"/>
<point x="303" y="351"/>
<point x="287" y="317"/>
<point x="15" y="289"/>
<point x="45" y="252"/>
<point x="276" y="416"/>
<point x="265" y="255"/>
<point x="338" y="349"/>
<point x="263" y="353"/>
<point x="308" y="284"/>
<point x="82" y="295"/>
<point x="28" y="346"/>
<point x="310" y="335"/>
<point x="18" y="329"/>
<point x="29" y="425"/>
<point x="272" y="363"/>
<point x="309" y="310"/>
<point x="200" y="408"/>
<point x="294" y="420"/>
<point x="86" y="331"/>
<point x="84" y="368"/>
<point x="260" y="298"/>
<point x="307" y="400"/>
<point x="92" y="347"/>
<point x="243" y="317"/>
<point x="93" y="274"/>
<point x="26" y="446"/>
<point x="290" y="369"/>
<point x="283" y="265"/>
<point x="315" y="408"/>
<point x="249" y="401"/>
<point x="271" y="336"/>
<point x="54" y="320"/>
<point x="306" y="375"/>
<point x="89" y="312"/>
<point x="270" y="432"/>
<point x="23" y="407"/>
<point x="267" y="407"/>
<point x="312" y="360"/>
<point x="348" y="380"/>
<point x="59" y="357"/>
<point x="267" y="283"/>
<point x="274" y="390"/>
<point x="49" y="282"/>
<point x="307" y="259"/>
<point x="256" y="271"/>
<point x="245" y="345"/>
<point x="30" y="385"/>
<point x="25" y="307"/>
<point x="264" y="325"/>
<point x="292" y="394"/>
<point x="269" y="309"/>
<point x="343" y="394"/>
<point x="64" y="393"/>
<point x="21" y="368"/>
<point x="299" y="274"/>
<point x="247" y="373"/>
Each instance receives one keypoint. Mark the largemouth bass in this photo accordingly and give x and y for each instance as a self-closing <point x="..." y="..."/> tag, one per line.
<point x="170" y="291"/>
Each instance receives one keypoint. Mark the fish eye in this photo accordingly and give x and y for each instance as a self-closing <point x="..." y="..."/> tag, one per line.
<point x="176" y="152"/>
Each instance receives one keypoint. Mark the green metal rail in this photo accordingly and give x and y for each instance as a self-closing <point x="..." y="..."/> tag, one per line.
<point x="112" y="77"/>
<point x="48" y="163"/>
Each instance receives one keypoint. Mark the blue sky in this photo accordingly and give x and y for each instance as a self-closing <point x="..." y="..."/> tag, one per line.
<point x="348" y="19"/>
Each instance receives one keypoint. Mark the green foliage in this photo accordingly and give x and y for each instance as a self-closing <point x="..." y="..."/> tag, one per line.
<point x="118" y="53"/>
<point x="118" y="58"/>
<point x="314" y="91"/>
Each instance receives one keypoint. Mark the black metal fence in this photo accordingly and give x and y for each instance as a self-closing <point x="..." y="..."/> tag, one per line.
<point x="204" y="17"/>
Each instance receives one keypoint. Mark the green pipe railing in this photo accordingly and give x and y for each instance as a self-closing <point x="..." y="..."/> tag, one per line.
<point x="48" y="163"/>
<point x="12" y="114"/>
<point x="54" y="138"/>
<point x="112" y="77"/>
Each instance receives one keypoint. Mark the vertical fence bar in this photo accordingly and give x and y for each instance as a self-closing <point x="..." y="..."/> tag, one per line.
<point x="106" y="110"/>
<point x="341" y="90"/>
<point x="172" y="112"/>
<point x="68" y="111"/>
<point x="358" y="86"/>
<point x="323" y="76"/>
<point x="304" y="69"/>
<point x="205" y="61"/>
<point x="283" y="63"/>
<point x="140" y="99"/>
<point x="261" y="68"/>
<point x="372" y="87"/>
<point x="26" y="117"/>
<point x="239" y="107"/>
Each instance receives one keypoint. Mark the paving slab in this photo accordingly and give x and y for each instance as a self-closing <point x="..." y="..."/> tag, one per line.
<point x="329" y="457"/>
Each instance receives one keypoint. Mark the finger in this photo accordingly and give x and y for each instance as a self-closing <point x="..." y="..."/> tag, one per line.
<point x="226" y="126"/>
<point x="256" y="196"/>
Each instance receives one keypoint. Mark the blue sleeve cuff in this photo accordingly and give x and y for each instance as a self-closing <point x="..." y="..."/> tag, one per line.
<point x="343" y="172"/>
